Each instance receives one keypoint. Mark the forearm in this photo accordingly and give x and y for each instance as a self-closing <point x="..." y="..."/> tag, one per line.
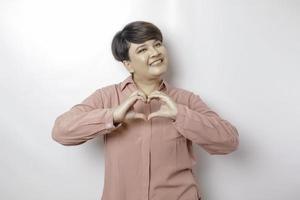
<point x="76" y="127"/>
<point x="206" y="128"/>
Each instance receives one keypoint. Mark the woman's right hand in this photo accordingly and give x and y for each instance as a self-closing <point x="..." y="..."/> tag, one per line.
<point x="125" y="110"/>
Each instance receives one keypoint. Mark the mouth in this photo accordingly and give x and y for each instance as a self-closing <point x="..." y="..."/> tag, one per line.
<point x="156" y="62"/>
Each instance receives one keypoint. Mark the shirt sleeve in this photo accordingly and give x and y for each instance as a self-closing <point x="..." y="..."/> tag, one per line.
<point x="198" y="123"/>
<point x="84" y="121"/>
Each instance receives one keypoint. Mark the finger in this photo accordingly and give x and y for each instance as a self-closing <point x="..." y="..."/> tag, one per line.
<point x="158" y="92"/>
<point x="141" y="93"/>
<point x="135" y="115"/>
<point x="140" y="116"/>
<point x="143" y="98"/>
<point x="155" y="114"/>
<point x="133" y="99"/>
<point x="165" y="98"/>
<point x="138" y="92"/>
<point x="159" y="96"/>
<point x="130" y="102"/>
<point x="133" y="93"/>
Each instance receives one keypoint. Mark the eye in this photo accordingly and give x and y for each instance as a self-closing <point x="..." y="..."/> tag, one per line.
<point x="158" y="44"/>
<point x="142" y="50"/>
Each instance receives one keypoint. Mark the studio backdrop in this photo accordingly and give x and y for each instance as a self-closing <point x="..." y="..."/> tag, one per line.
<point x="241" y="57"/>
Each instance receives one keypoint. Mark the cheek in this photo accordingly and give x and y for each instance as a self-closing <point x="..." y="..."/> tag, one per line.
<point x="141" y="65"/>
<point x="164" y="53"/>
<point x="141" y="59"/>
<point x="138" y="62"/>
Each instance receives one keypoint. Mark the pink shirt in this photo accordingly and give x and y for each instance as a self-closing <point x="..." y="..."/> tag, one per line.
<point x="147" y="160"/>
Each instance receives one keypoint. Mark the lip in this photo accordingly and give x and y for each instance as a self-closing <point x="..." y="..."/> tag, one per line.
<point x="157" y="60"/>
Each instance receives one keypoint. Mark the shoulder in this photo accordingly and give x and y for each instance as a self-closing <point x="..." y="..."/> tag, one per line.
<point x="180" y="95"/>
<point x="107" y="90"/>
<point x="108" y="95"/>
<point x="188" y="98"/>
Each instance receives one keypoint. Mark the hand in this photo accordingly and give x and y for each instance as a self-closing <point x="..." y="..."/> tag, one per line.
<point x="125" y="110"/>
<point x="169" y="109"/>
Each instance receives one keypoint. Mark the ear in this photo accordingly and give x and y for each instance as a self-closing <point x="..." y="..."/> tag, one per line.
<point x="128" y="66"/>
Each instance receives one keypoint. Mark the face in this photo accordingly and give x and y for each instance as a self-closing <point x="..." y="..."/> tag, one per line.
<point x="148" y="60"/>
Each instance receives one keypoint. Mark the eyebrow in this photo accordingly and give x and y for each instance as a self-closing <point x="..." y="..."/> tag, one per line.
<point x="140" y="46"/>
<point x="145" y="45"/>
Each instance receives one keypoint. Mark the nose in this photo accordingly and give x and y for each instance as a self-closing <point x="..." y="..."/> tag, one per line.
<point x="154" y="52"/>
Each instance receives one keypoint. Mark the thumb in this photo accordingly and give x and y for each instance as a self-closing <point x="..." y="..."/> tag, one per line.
<point x="139" y="116"/>
<point x="134" y="115"/>
<point x="154" y="114"/>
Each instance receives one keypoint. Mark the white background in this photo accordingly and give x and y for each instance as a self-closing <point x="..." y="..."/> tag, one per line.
<point x="241" y="57"/>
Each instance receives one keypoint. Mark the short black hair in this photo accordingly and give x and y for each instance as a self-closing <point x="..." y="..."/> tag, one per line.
<point x="136" y="32"/>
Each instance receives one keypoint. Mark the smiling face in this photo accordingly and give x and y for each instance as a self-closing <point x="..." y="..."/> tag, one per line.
<point x="148" y="60"/>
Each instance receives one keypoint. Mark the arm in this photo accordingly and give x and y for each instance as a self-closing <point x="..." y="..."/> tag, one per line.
<point x="201" y="125"/>
<point x="84" y="121"/>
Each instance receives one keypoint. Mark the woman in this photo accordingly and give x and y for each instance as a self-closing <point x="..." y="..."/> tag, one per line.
<point x="148" y="125"/>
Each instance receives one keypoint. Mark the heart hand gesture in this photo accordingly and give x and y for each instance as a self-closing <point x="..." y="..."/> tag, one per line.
<point x="169" y="109"/>
<point x="125" y="111"/>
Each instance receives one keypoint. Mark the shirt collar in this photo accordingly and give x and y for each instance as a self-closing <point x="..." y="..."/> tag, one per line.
<point x="129" y="80"/>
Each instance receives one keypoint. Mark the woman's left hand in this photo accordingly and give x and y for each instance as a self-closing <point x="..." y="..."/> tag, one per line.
<point x="169" y="109"/>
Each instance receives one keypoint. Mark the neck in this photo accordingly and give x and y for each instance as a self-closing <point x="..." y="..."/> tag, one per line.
<point x="147" y="85"/>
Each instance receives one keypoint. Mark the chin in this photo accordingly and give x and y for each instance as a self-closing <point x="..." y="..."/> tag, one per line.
<point x="158" y="72"/>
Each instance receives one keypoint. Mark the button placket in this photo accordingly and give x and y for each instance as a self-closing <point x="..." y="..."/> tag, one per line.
<point x="146" y="151"/>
